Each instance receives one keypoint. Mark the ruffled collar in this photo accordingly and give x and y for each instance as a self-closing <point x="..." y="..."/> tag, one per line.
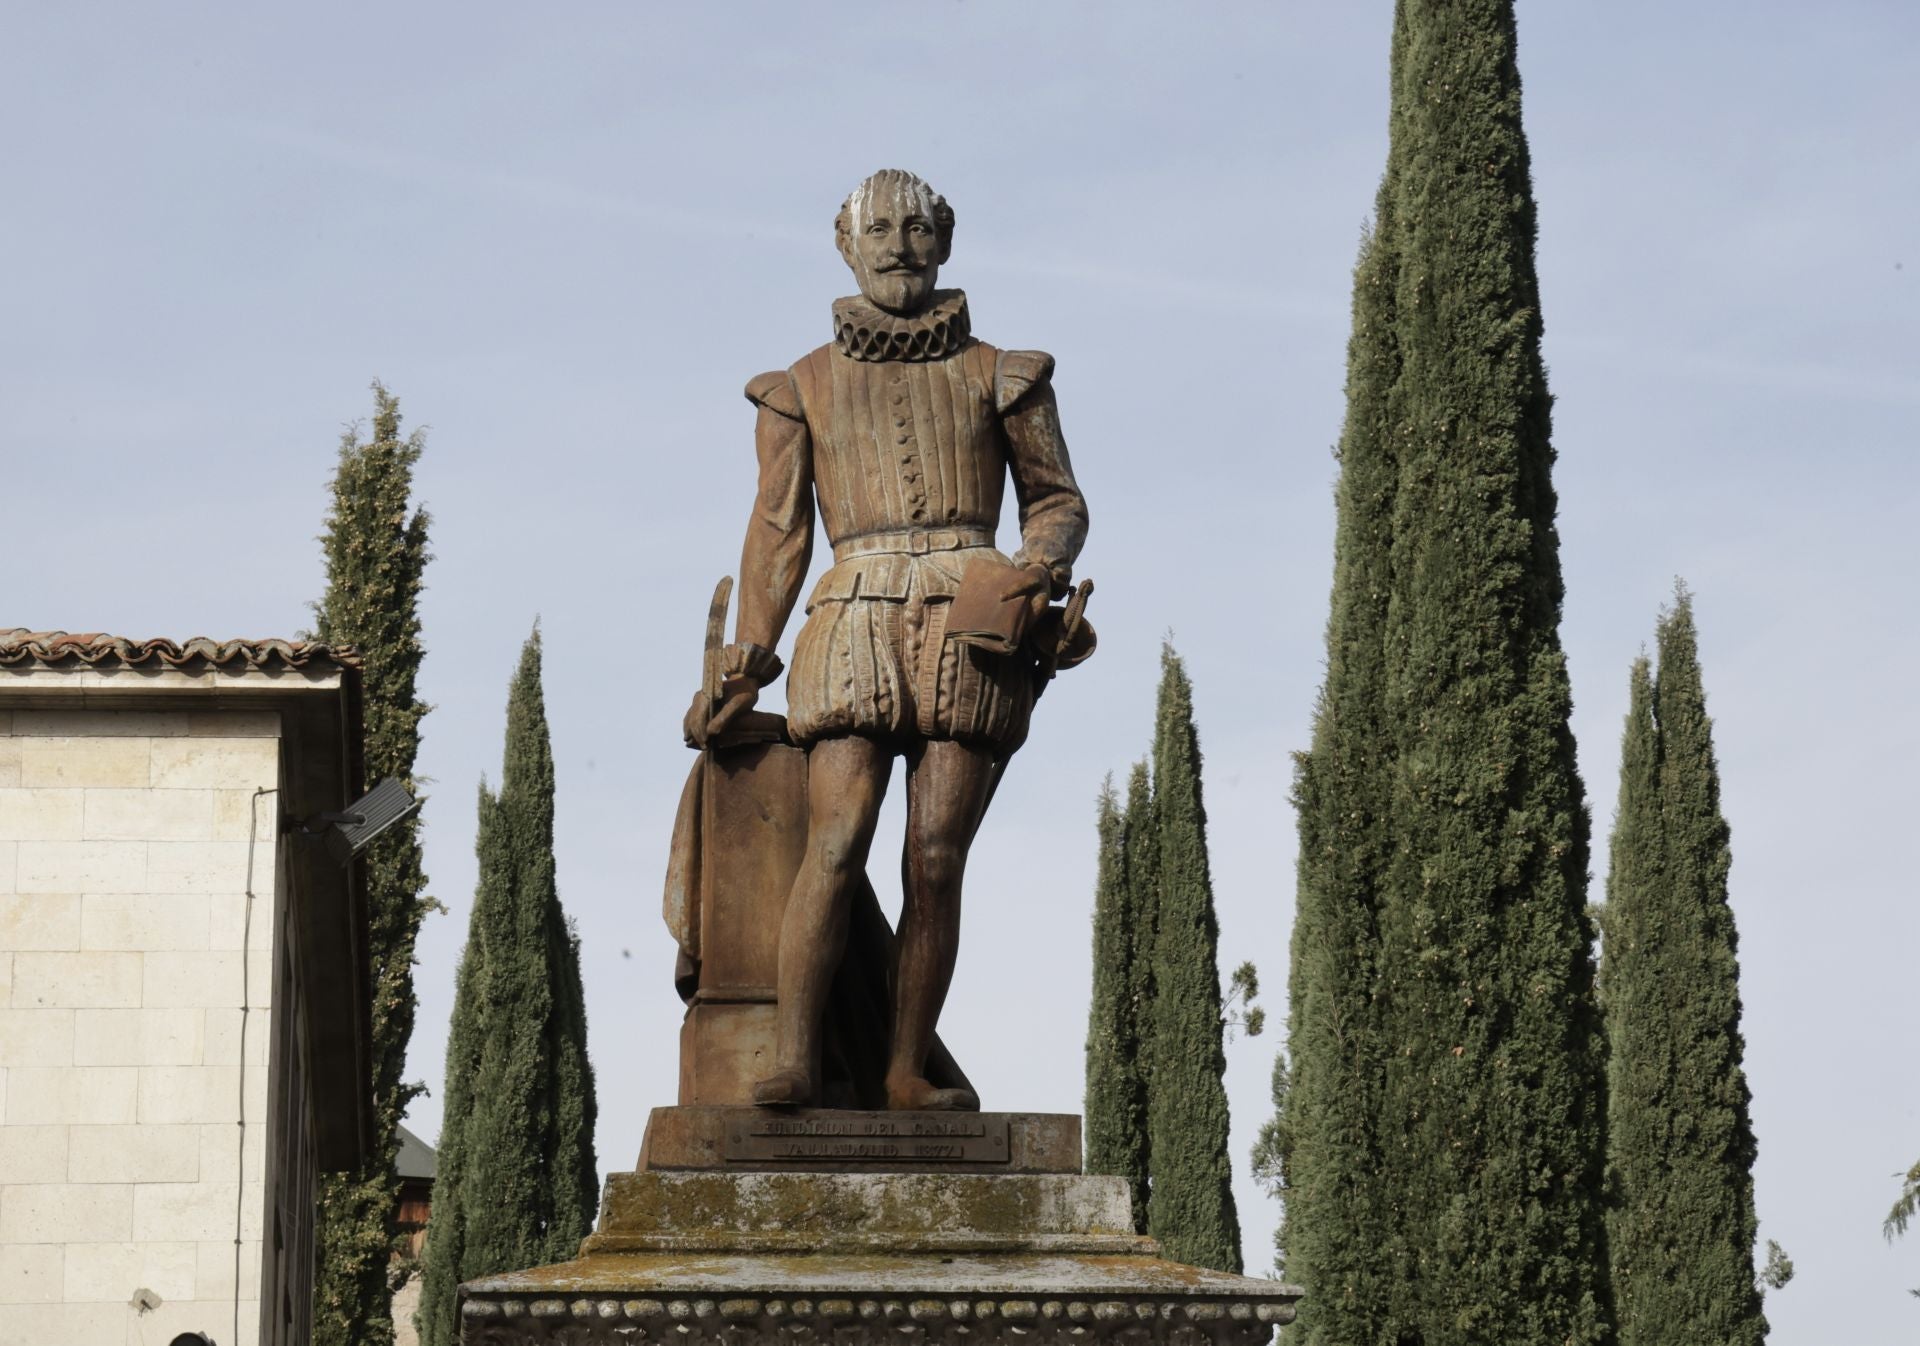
<point x="865" y="331"/>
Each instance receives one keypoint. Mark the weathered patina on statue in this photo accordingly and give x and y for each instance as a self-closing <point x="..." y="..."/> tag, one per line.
<point x="922" y="642"/>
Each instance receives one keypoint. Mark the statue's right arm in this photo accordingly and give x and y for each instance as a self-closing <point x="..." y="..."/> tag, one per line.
<point x="779" y="545"/>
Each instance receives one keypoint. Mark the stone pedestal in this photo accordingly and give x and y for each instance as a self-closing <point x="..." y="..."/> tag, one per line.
<point x="830" y="1140"/>
<point x="742" y="1259"/>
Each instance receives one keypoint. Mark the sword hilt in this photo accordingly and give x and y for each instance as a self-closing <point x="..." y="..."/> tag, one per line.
<point x="710" y="670"/>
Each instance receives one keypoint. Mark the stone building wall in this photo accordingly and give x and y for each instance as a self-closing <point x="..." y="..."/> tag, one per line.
<point x="126" y="955"/>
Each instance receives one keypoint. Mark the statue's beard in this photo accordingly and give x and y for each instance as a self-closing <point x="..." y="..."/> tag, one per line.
<point x="899" y="291"/>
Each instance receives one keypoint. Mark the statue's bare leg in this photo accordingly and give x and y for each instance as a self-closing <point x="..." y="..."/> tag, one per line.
<point x="846" y="780"/>
<point x="947" y="786"/>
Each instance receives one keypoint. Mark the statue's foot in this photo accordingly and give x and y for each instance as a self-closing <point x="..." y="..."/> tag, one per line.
<point x="911" y="1093"/>
<point x="784" y="1089"/>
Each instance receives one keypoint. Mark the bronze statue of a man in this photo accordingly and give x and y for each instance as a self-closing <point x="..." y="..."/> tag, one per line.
<point x="903" y="430"/>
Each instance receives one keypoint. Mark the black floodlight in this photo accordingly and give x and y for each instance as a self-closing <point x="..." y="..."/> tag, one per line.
<point x="349" y="832"/>
<point x="380" y="808"/>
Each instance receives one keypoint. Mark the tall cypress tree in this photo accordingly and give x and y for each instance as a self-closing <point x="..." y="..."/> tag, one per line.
<point x="1469" y="1209"/>
<point x="376" y="554"/>
<point x="515" y="1182"/>
<point x="1681" y="1148"/>
<point x="1116" y="1101"/>
<point x="1326" y="1158"/>
<point x="1190" y="1206"/>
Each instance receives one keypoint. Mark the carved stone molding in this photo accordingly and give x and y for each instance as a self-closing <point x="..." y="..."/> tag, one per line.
<point x="754" y="1320"/>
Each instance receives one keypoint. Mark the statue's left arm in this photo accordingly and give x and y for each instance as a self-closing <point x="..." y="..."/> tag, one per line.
<point x="1053" y="513"/>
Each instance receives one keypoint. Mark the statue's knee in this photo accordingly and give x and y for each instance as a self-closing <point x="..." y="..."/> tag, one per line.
<point x="941" y="862"/>
<point x="833" y="854"/>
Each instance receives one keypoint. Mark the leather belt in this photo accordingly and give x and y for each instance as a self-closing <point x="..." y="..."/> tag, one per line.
<point x="911" y="542"/>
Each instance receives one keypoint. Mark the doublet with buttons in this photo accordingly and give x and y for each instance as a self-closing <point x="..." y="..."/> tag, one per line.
<point x="903" y="432"/>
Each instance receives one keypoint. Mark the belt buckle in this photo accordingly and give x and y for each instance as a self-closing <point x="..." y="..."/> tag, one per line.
<point x="919" y="541"/>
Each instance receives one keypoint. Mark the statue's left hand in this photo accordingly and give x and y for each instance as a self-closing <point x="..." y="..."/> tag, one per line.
<point x="1036" y="582"/>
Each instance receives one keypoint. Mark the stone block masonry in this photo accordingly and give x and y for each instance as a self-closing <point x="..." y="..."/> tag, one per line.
<point x="125" y="953"/>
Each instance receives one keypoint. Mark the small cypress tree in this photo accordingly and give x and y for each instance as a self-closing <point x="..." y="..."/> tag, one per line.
<point x="1190" y="1205"/>
<point x="1141" y="854"/>
<point x="1681" y="1227"/>
<point x="1116" y="1101"/>
<point x="515" y="1182"/>
<point x="376" y="554"/>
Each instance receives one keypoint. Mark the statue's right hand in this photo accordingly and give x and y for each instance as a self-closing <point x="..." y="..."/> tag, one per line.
<point x="704" y="723"/>
<point x="693" y="728"/>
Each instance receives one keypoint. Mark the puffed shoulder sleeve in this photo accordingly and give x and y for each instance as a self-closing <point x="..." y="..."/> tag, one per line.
<point x="1017" y="374"/>
<point x="775" y="392"/>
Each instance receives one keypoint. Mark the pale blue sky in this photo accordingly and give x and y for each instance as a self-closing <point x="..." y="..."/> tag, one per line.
<point x="567" y="236"/>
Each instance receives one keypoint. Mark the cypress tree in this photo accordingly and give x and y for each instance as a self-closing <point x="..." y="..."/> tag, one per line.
<point x="1495" y="1080"/>
<point x="375" y="546"/>
<point x="1190" y="1204"/>
<point x="1681" y="1227"/>
<point x="1325" y="1158"/>
<point x="1141" y="853"/>
<point x="515" y="1181"/>
<point x="1116" y="1101"/>
<point x="1446" y="965"/>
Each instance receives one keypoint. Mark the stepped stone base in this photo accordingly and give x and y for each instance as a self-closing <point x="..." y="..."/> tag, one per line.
<point x="724" y="1259"/>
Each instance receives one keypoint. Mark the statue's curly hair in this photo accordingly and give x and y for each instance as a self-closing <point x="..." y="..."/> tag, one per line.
<point x="891" y="179"/>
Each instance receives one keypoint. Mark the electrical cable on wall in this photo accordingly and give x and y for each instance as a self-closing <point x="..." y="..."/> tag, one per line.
<point x="246" y="998"/>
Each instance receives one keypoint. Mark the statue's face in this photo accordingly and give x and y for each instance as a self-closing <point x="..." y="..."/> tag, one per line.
<point x="894" y="250"/>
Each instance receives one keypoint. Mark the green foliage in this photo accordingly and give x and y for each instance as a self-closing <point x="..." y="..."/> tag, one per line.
<point x="1904" y="1209"/>
<point x="1116" y="1099"/>
<point x="516" y="1179"/>
<point x="1190" y="1204"/>
<point x="1778" y="1270"/>
<point x="1681" y="1225"/>
<point x="1441" y="1141"/>
<point x="1238" y="1013"/>
<point x="1270" y="1149"/>
<point x="375" y="546"/>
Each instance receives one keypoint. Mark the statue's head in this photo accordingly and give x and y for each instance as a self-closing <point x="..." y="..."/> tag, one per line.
<point x="895" y="231"/>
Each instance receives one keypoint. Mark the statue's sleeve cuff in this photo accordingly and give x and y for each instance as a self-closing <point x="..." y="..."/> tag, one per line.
<point x="745" y="659"/>
<point x="1060" y="571"/>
